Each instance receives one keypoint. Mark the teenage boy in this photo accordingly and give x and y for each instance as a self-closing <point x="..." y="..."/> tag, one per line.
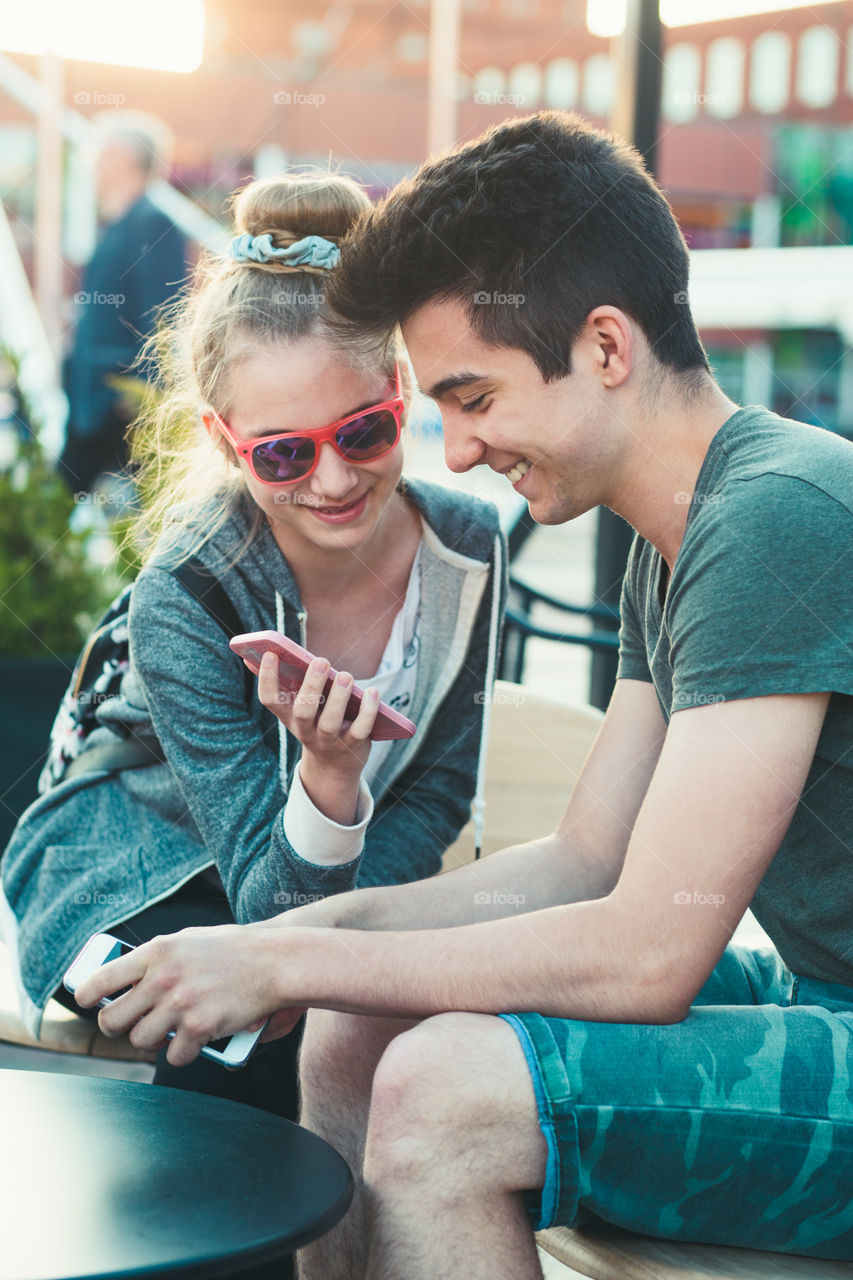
<point x="561" y="1031"/>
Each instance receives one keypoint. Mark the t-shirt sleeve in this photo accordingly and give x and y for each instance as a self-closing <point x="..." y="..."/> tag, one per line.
<point x="760" y="600"/>
<point x="633" y="662"/>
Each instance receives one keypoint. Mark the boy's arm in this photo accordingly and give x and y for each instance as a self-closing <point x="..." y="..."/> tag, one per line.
<point x="581" y="859"/>
<point x="728" y="780"/>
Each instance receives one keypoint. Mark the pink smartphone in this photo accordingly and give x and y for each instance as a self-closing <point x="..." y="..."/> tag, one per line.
<point x="293" y="662"/>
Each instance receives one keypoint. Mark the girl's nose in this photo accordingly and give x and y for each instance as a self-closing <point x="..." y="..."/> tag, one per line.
<point x="333" y="477"/>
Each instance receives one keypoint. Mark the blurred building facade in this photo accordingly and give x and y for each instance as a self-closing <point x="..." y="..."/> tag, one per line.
<point x="756" y="124"/>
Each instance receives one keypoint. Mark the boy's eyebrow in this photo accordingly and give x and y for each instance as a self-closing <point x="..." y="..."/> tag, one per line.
<point x="450" y="383"/>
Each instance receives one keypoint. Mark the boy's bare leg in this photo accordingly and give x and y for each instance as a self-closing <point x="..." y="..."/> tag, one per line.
<point x="337" y="1062"/>
<point x="453" y="1142"/>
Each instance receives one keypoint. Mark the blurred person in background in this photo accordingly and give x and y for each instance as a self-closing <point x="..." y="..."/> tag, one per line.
<point x="139" y="263"/>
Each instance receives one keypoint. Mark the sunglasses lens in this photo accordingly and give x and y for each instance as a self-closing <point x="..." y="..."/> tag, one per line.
<point x="288" y="458"/>
<point x="368" y="436"/>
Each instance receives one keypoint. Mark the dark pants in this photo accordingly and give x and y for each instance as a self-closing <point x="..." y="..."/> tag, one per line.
<point x="269" y="1079"/>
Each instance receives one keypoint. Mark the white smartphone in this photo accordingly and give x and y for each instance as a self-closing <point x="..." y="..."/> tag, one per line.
<point x="231" y="1051"/>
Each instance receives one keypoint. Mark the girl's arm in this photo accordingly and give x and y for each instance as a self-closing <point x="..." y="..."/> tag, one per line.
<point x="223" y="754"/>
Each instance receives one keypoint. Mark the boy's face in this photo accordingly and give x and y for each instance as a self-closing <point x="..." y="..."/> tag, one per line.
<point x="551" y="440"/>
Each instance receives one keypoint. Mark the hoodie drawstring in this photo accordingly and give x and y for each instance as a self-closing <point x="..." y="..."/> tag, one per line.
<point x="479" y="804"/>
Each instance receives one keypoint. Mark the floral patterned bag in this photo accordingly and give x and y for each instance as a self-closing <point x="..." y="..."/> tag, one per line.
<point x="97" y="677"/>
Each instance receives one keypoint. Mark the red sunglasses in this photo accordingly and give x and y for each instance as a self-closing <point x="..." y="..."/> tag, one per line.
<point x="361" y="437"/>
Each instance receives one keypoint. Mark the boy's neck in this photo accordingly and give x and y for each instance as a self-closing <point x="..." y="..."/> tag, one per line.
<point x="668" y="448"/>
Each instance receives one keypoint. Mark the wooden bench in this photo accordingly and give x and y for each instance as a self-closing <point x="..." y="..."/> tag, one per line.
<point x="62" y="1030"/>
<point x="537" y="748"/>
<point x="606" y="1253"/>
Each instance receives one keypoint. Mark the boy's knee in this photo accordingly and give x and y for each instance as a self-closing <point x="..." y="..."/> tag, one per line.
<point x="454" y="1088"/>
<point x="428" y="1074"/>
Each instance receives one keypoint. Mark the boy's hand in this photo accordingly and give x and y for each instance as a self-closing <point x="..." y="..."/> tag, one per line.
<point x="201" y="983"/>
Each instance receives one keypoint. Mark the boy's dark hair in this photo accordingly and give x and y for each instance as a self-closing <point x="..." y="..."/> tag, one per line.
<point x="546" y="209"/>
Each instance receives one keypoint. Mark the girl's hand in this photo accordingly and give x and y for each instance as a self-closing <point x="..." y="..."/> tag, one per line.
<point x="334" y="750"/>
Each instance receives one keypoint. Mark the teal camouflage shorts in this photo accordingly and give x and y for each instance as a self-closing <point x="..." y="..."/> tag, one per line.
<point x="734" y="1126"/>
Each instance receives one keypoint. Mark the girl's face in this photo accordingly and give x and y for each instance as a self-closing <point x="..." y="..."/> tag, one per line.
<point x="302" y="387"/>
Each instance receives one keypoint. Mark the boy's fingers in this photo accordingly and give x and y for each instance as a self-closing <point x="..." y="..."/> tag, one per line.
<point x="110" y="978"/>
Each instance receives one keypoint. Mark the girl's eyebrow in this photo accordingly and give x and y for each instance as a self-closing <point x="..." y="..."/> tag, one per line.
<point x="368" y="404"/>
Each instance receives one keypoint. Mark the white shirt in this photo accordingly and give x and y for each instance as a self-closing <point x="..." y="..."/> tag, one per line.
<point x="312" y="835"/>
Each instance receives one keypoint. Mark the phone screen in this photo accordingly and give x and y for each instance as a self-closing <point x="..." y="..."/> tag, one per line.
<point x="220" y="1045"/>
<point x="115" y="953"/>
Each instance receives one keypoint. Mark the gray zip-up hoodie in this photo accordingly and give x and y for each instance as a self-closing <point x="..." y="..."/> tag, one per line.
<point x="102" y="846"/>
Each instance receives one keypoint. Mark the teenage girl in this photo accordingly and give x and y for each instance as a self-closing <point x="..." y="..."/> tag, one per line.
<point x="274" y="457"/>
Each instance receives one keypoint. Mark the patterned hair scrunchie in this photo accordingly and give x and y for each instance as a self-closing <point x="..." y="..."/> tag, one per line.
<point x="311" y="251"/>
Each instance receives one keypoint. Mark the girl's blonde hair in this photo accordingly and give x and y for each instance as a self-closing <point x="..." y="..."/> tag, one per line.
<point x="230" y="309"/>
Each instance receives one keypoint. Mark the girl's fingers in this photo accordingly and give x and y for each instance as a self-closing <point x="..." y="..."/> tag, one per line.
<point x="332" y="717"/>
<point x="362" y="726"/>
<point x="268" y="682"/>
<point x="309" y="700"/>
<point x="312" y="709"/>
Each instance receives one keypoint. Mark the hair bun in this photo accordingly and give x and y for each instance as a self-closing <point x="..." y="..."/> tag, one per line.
<point x="291" y="206"/>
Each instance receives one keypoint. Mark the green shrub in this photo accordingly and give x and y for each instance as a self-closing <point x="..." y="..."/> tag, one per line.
<point x="52" y="590"/>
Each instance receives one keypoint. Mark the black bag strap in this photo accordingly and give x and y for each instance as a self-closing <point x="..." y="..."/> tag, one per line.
<point x="128" y="753"/>
<point x="211" y="594"/>
<point x="133" y="752"/>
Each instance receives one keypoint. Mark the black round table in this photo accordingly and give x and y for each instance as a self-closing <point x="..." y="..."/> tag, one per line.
<point x="107" y="1178"/>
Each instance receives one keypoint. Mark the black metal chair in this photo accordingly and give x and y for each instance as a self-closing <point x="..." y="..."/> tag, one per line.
<point x="519" y="627"/>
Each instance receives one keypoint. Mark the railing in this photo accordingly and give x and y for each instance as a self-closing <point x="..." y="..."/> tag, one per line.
<point x="78" y="130"/>
<point x="519" y="628"/>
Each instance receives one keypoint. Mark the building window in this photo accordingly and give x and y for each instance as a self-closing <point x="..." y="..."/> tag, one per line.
<point x="770" y="72"/>
<point x="817" y="67"/>
<point x="682" y="68"/>
<point x="598" y="84"/>
<point x="489" y="85"/>
<point x="413" y="46"/>
<point x="724" y="77"/>
<point x="525" y="85"/>
<point x="562" y="82"/>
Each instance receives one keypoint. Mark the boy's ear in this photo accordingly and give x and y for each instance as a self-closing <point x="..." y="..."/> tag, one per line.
<point x="611" y="337"/>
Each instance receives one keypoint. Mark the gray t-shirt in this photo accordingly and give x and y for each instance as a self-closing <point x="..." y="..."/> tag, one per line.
<point x="760" y="603"/>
